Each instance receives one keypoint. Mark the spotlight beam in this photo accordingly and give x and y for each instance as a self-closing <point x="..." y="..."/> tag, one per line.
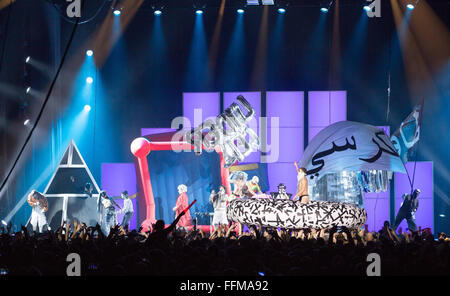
<point x="52" y="85"/>
<point x="214" y="49"/>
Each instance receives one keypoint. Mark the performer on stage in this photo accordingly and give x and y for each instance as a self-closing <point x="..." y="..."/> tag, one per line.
<point x="40" y="205"/>
<point x="88" y="188"/>
<point x="241" y="187"/>
<point x="254" y="185"/>
<point x="281" y="192"/>
<point x="127" y="208"/>
<point x="108" y="214"/>
<point x="302" y="186"/>
<point x="219" y="202"/>
<point x="182" y="203"/>
<point x="409" y="206"/>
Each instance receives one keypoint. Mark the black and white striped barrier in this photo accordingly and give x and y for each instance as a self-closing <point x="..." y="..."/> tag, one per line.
<point x="289" y="214"/>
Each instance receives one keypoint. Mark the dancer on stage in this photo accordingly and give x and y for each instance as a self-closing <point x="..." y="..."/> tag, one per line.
<point x="254" y="185"/>
<point x="39" y="204"/>
<point x="238" y="180"/>
<point x="409" y="206"/>
<point x="219" y="202"/>
<point x="182" y="203"/>
<point x="241" y="188"/>
<point x="281" y="192"/>
<point x="127" y="208"/>
<point x="108" y="214"/>
<point x="302" y="186"/>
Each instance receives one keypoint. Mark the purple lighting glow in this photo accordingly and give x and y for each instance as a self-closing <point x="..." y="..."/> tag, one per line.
<point x="288" y="107"/>
<point x="199" y="106"/>
<point x="325" y="108"/>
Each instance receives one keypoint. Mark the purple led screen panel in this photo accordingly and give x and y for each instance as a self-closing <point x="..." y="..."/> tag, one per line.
<point x="155" y="130"/>
<point x="424" y="181"/>
<point x="325" y="108"/>
<point x="117" y="177"/>
<point x="284" y="137"/>
<point x="199" y="106"/>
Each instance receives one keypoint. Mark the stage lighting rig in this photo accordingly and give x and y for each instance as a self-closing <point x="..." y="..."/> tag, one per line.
<point x="239" y="5"/>
<point x="282" y="5"/>
<point x="325" y="6"/>
<point x="157" y="6"/>
<point x="116" y="7"/>
<point x="199" y="4"/>
<point x="412" y="4"/>
<point x="261" y="2"/>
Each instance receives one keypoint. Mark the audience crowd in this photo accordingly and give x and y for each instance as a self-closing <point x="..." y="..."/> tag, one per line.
<point x="171" y="251"/>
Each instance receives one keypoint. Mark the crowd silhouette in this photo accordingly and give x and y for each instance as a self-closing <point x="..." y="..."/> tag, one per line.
<point x="172" y="251"/>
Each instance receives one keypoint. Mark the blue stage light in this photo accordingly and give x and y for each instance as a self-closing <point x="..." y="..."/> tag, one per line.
<point x="281" y="10"/>
<point x="240" y="11"/>
<point x="27" y="59"/>
<point x="157" y="12"/>
<point x="89" y="52"/>
<point x="28" y="89"/>
<point x="410" y="6"/>
<point x="117" y="12"/>
<point x="367" y="8"/>
<point x="324" y="9"/>
<point x="26" y="122"/>
<point x="89" y="80"/>
<point x="87" y="108"/>
<point x="199" y="11"/>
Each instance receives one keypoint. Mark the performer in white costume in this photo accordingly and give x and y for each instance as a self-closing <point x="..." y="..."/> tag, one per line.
<point x="127" y="208"/>
<point x="108" y="214"/>
<point x="40" y="205"/>
<point x="219" y="202"/>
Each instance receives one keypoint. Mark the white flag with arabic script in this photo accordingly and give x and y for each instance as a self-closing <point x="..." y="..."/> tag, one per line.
<point x="350" y="146"/>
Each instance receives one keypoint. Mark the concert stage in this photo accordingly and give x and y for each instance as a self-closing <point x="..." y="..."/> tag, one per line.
<point x="311" y="115"/>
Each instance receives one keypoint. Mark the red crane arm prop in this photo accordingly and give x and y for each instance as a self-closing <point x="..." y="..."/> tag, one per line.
<point x="140" y="148"/>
